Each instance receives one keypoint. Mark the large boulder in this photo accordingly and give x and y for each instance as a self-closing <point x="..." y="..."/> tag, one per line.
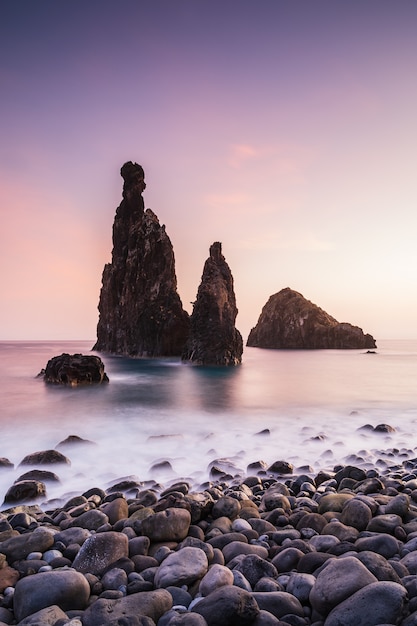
<point x="74" y="370"/>
<point x="67" y="589"/>
<point x="140" y="310"/>
<point x="288" y="320"/>
<point x="213" y="339"/>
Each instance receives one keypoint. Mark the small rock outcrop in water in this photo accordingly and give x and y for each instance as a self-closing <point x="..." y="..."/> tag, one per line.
<point x="213" y="339"/>
<point x="74" y="370"/>
<point x="288" y="320"/>
<point x="140" y="310"/>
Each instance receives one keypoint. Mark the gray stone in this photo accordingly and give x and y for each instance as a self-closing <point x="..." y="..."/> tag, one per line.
<point x="381" y="543"/>
<point x="72" y="535"/>
<point x="182" y="568"/>
<point x="101" y="550"/>
<point x="45" y="457"/>
<point x="151" y="604"/>
<point x="178" y="617"/>
<point x="410" y="562"/>
<point x="45" y="617"/>
<point x="115" y="510"/>
<point x="114" y="578"/>
<point x="287" y="559"/>
<point x="25" y="491"/>
<point x="378" y="603"/>
<point x="235" y="548"/>
<point x="226" y="507"/>
<point x="67" y="589"/>
<point x="17" y="548"/>
<point x="172" y="524"/>
<point x="339" y="579"/>
<point x="300" y="585"/>
<point x="279" y="603"/>
<point x="398" y="505"/>
<point x="378" y="566"/>
<point x="253" y="568"/>
<point x="217" y="576"/>
<point x="90" y="520"/>
<point x="356" y="513"/>
<point x="386" y="523"/>
<point x="227" y="606"/>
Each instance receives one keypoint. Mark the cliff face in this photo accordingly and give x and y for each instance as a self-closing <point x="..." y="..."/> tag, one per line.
<point x="213" y="339"/>
<point x="288" y="320"/>
<point x="140" y="310"/>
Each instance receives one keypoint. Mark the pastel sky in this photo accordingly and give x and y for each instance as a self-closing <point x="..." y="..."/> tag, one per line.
<point x="286" y="129"/>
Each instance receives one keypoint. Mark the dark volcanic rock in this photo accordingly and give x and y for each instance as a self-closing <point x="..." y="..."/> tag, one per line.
<point x="141" y="312"/>
<point x="75" y="369"/>
<point x="213" y="339"/>
<point x="24" y="490"/>
<point x="288" y="320"/>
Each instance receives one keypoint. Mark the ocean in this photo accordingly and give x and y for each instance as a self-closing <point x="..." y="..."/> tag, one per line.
<point x="312" y="405"/>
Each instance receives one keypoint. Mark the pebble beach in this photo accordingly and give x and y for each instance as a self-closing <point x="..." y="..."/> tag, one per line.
<point x="280" y="545"/>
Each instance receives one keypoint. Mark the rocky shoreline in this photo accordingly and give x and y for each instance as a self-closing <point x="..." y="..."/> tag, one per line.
<point x="281" y="546"/>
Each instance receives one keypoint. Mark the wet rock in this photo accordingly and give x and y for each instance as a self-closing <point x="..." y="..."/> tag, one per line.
<point x="288" y="320"/>
<point x="217" y="576"/>
<point x="45" y="457"/>
<point x="101" y="550"/>
<point x="67" y="589"/>
<point x="375" y="604"/>
<point x="338" y="580"/>
<point x="381" y="543"/>
<point x="115" y="510"/>
<point x="40" y="475"/>
<point x="253" y="568"/>
<point x="226" y="507"/>
<point x="279" y="603"/>
<point x="48" y="616"/>
<point x="182" y="568"/>
<point x="172" y="524"/>
<point x="74" y="440"/>
<point x="17" y="548"/>
<point x="281" y="467"/>
<point x="356" y="513"/>
<point x="378" y="566"/>
<point x="141" y="312"/>
<point x="214" y="339"/>
<point x="228" y="606"/>
<point x="25" y="491"/>
<point x="75" y="370"/>
<point x="152" y="604"/>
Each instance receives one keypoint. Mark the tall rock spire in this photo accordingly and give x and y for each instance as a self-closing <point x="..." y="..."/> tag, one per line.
<point x="213" y="339"/>
<point x="140" y="310"/>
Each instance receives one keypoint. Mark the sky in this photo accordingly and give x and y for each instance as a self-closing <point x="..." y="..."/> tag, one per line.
<point x="286" y="129"/>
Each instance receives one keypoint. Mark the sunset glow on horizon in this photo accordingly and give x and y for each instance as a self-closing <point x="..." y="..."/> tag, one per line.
<point x="285" y="130"/>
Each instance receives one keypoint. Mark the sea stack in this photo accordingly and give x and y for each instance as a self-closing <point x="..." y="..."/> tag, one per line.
<point x="288" y="320"/>
<point x="214" y="339"/>
<point x="141" y="313"/>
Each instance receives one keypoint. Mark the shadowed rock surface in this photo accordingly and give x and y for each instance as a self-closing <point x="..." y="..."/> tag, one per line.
<point x="74" y="370"/>
<point x="213" y="339"/>
<point x="288" y="320"/>
<point x="140" y="310"/>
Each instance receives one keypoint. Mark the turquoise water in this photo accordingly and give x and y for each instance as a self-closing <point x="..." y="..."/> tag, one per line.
<point x="313" y="403"/>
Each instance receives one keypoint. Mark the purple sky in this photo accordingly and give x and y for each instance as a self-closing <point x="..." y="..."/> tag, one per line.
<point x="287" y="130"/>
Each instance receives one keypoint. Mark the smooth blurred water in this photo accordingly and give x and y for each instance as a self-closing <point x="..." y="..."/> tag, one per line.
<point x="313" y="403"/>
